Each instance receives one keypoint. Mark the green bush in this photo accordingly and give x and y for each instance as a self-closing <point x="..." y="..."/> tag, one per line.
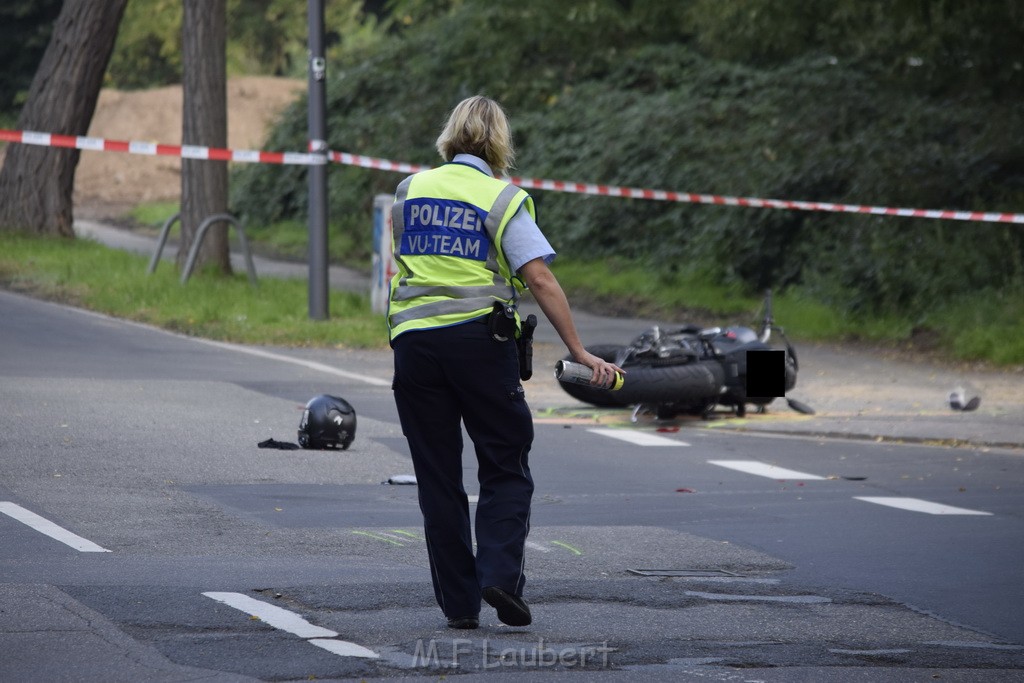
<point x="25" y="28"/>
<point x="598" y="93"/>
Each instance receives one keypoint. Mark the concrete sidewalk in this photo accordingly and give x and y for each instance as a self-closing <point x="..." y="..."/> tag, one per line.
<point x="855" y="393"/>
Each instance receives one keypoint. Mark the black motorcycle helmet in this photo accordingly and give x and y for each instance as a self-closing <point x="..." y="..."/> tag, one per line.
<point x="327" y="422"/>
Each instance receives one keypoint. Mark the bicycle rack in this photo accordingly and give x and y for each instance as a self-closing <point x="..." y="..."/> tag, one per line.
<point x="198" y="241"/>
<point x="164" y="232"/>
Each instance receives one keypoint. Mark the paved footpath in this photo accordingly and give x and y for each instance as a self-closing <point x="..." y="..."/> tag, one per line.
<point x="855" y="393"/>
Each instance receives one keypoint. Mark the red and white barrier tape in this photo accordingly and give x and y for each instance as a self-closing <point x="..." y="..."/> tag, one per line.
<point x="668" y="196"/>
<point x="156" y="149"/>
<point x="344" y="158"/>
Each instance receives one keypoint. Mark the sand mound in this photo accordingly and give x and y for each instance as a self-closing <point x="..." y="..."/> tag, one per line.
<point x="115" y="178"/>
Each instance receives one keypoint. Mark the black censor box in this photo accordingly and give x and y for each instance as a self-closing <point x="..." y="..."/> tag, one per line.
<point x="766" y="374"/>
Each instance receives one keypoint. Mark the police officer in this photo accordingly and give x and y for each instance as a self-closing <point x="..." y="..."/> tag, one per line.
<point x="464" y="241"/>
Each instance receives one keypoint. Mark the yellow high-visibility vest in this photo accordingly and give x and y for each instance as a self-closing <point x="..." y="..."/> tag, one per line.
<point x="447" y="225"/>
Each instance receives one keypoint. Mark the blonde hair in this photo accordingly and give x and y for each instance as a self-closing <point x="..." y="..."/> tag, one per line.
<point x="478" y="125"/>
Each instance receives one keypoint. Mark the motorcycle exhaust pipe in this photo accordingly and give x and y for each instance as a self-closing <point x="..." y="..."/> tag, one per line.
<point x="577" y="373"/>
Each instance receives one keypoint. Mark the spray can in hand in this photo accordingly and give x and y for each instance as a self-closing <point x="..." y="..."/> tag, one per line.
<point x="578" y="373"/>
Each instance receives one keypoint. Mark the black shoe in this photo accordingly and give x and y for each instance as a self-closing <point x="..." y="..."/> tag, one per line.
<point x="511" y="610"/>
<point x="464" y="622"/>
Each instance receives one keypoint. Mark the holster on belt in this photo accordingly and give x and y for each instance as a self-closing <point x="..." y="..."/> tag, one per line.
<point x="525" y="347"/>
<point x="501" y="322"/>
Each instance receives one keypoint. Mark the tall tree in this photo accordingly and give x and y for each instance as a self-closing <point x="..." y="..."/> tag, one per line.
<point x="204" y="184"/>
<point x="36" y="183"/>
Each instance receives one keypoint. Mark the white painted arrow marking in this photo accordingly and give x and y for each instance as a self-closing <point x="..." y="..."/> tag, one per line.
<point x="343" y="648"/>
<point x="45" y="526"/>
<point x="291" y="622"/>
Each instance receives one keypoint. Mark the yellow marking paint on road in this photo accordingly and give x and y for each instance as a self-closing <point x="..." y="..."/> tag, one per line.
<point x="378" y="537"/>
<point x="574" y="551"/>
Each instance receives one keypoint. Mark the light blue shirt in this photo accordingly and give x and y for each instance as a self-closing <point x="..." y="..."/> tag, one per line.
<point x="522" y="240"/>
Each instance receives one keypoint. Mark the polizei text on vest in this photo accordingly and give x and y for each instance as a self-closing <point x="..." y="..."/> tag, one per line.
<point x="439" y="228"/>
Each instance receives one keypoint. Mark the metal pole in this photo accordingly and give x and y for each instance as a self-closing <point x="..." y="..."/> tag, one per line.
<point x="318" y="273"/>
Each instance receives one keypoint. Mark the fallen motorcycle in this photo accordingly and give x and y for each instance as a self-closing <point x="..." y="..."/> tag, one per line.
<point x="689" y="370"/>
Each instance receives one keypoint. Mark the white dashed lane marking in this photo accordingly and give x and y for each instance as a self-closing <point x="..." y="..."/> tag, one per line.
<point x="911" y="504"/>
<point x="291" y="622"/>
<point x="638" y="438"/>
<point x="764" y="470"/>
<point x="918" y="505"/>
<point x="45" y="526"/>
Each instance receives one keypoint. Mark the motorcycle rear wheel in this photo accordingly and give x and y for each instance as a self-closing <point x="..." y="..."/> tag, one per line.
<point x="694" y="383"/>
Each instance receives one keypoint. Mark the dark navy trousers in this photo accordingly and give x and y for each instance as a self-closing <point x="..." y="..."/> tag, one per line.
<point x="443" y="378"/>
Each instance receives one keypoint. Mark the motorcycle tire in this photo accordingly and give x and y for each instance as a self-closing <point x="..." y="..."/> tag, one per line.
<point x="695" y="383"/>
<point x="601" y="398"/>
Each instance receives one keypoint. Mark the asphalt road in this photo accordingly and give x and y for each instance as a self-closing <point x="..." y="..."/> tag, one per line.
<point x="145" y="537"/>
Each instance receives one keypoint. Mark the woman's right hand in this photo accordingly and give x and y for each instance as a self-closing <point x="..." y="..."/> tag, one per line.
<point x="604" y="372"/>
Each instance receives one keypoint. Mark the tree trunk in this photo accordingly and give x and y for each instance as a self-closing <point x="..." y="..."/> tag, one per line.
<point x="36" y="183"/>
<point x="204" y="184"/>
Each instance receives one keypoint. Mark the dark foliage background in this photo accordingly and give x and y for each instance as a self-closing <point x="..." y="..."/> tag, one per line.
<point x="899" y="103"/>
<point x="25" y="27"/>
<point x="914" y="103"/>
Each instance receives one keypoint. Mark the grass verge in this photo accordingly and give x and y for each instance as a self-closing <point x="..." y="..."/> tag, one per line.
<point x="87" y="274"/>
<point x="979" y="326"/>
<point x="154" y="214"/>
